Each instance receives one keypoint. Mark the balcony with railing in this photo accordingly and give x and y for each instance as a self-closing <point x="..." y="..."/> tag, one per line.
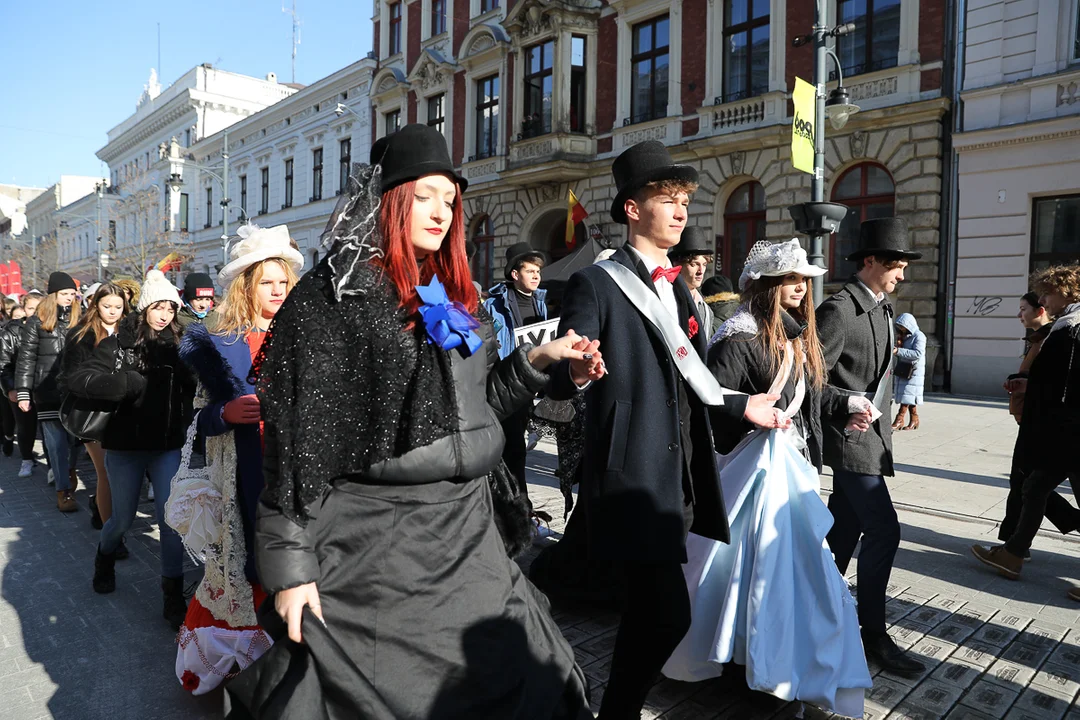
<point x="741" y="111"/>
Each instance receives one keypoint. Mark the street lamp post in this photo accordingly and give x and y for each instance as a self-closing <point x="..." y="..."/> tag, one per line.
<point x="818" y="218"/>
<point x="100" y="189"/>
<point x="176" y="183"/>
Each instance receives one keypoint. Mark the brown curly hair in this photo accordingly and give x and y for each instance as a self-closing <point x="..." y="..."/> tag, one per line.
<point x="1064" y="279"/>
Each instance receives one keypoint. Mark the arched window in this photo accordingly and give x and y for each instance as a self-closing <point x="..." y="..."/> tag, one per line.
<point x="744" y="224"/>
<point x="314" y="257"/>
<point x="482" y="233"/>
<point x="868" y="191"/>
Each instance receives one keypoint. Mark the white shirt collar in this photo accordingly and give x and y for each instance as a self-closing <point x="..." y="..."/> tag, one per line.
<point x="650" y="265"/>
<point x="876" y="298"/>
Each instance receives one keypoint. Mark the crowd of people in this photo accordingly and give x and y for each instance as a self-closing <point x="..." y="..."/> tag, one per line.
<point x="344" y="453"/>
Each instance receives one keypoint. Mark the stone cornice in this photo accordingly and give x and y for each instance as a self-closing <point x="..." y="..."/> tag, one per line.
<point x="174" y="110"/>
<point x="1034" y="132"/>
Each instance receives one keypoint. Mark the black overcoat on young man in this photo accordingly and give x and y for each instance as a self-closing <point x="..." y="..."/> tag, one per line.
<point x="854" y="333"/>
<point x="636" y="428"/>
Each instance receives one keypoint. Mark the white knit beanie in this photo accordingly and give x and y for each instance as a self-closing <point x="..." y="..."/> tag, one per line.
<point x="155" y="288"/>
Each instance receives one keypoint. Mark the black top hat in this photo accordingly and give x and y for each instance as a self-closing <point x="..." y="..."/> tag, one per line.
<point x="694" y="241"/>
<point x="884" y="237"/>
<point x="516" y="252"/>
<point x="640" y="165"/>
<point x="413" y="151"/>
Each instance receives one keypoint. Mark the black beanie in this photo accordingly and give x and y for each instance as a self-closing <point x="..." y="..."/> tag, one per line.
<point x="715" y="285"/>
<point x="198" y="285"/>
<point x="60" y="281"/>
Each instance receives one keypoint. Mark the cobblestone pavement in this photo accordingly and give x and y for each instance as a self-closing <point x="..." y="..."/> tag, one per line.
<point x="997" y="649"/>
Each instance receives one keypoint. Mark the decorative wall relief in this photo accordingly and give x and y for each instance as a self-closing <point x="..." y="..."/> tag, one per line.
<point x="738" y="162"/>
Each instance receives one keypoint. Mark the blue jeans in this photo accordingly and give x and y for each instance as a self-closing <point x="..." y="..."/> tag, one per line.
<point x="126" y="470"/>
<point x="62" y="450"/>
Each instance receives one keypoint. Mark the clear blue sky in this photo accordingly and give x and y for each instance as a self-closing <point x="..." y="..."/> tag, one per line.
<point x="74" y="69"/>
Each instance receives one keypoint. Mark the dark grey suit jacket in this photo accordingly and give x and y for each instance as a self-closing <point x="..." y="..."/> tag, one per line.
<point x="854" y="333"/>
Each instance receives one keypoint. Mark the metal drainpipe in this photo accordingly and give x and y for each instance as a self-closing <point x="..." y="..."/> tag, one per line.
<point x="951" y="189"/>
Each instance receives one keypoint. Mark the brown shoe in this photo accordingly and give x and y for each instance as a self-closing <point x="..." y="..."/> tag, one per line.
<point x="913" y="423"/>
<point x="999" y="558"/>
<point x="899" y="421"/>
<point x="65" y="502"/>
<point x="1074" y="594"/>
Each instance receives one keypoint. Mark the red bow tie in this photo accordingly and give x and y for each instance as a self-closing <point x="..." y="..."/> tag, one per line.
<point x="670" y="274"/>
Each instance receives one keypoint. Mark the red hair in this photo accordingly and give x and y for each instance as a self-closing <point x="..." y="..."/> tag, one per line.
<point x="399" y="262"/>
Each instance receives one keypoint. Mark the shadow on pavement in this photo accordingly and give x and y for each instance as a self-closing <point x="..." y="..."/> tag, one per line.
<point x="66" y="651"/>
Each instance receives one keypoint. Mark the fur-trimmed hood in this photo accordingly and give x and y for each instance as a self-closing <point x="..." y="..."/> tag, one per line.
<point x="722" y="297"/>
<point x="218" y="379"/>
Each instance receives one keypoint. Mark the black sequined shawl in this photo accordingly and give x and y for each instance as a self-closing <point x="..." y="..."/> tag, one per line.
<point x="340" y="381"/>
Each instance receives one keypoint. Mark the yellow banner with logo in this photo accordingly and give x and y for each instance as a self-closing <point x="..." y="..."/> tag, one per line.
<point x="802" y="129"/>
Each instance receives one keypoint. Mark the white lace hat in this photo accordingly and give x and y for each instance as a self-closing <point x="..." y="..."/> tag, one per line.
<point x="767" y="259"/>
<point x="257" y="244"/>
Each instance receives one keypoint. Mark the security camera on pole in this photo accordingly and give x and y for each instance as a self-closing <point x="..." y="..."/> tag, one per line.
<point x="818" y="218"/>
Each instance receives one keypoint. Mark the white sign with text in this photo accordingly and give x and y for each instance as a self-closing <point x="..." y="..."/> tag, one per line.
<point x="537" y="333"/>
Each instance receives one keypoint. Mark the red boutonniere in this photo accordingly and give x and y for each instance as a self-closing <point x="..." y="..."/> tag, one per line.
<point x="693" y="328"/>
<point x="190" y="681"/>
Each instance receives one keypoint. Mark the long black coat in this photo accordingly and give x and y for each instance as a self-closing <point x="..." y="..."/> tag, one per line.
<point x="854" y="333"/>
<point x="738" y="362"/>
<point x="632" y="468"/>
<point x="38" y="361"/>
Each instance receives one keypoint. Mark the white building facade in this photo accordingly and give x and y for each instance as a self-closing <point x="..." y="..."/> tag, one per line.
<point x="287" y="165"/>
<point x="145" y="224"/>
<point x="1019" y="175"/>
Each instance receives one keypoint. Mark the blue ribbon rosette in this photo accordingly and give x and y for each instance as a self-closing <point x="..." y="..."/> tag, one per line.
<point x="448" y="323"/>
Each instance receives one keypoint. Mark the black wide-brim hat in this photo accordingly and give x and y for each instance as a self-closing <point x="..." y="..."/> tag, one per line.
<point x="412" y="152"/>
<point x="640" y="165"/>
<point x="516" y="252"/>
<point x="693" y="241"/>
<point x="886" y="238"/>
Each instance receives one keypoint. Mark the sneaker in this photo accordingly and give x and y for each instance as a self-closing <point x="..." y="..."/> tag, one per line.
<point x="533" y="439"/>
<point x="26" y="469"/>
<point x="52" y="478"/>
<point x="997" y="557"/>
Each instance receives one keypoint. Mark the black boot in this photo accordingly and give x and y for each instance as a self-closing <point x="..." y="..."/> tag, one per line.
<point x="95" y="516"/>
<point x="175" y="609"/>
<point x="9" y="446"/>
<point x="104" y="572"/>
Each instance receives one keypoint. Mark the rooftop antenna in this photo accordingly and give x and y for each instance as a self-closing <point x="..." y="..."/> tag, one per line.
<point x="295" y="35"/>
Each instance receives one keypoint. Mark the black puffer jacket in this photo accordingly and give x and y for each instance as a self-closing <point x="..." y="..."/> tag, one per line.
<point x="153" y="387"/>
<point x="10" y="337"/>
<point x="38" y="362"/>
<point x="738" y="362"/>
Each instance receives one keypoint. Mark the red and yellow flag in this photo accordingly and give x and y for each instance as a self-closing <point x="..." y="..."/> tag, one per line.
<point x="169" y="262"/>
<point x="575" y="213"/>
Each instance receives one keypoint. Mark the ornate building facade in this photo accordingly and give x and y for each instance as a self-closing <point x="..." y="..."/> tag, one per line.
<point x="537" y="99"/>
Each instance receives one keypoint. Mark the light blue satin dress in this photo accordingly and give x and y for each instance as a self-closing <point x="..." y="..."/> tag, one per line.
<point x="772" y="600"/>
